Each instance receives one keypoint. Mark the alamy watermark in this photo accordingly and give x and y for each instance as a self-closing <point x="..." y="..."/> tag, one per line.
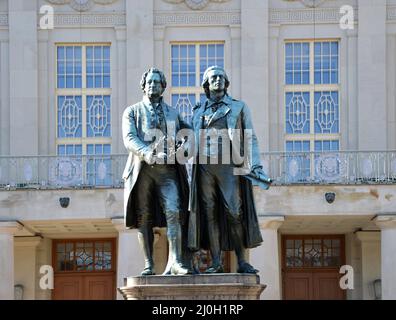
<point x="208" y="146"/>
<point x="347" y="280"/>
<point x="47" y="18"/>
<point x="47" y="278"/>
<point x="347" y="21"/>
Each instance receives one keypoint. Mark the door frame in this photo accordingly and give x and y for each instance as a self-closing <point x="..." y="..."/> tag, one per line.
<point x="312" y="270"/>
<point x="112" y="272"/>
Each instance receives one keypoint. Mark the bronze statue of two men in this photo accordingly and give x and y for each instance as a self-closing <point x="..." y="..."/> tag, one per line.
<point x="217" y="212"/>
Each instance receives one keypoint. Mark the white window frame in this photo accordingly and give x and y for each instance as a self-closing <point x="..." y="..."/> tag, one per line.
<point x="197" y="90"/>
<point x="311" y="88"/>
<point x="83" y="92"/>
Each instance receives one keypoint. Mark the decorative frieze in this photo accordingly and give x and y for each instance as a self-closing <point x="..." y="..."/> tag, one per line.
<point x="195" y="18"/>
<point x="296" y="16"/>
<point x="81" y="5"/>
<point x="3" y="19"/>
<point x="94" y="19"/>
<point x="195" y="4"/>
<point x="309" y="3"/>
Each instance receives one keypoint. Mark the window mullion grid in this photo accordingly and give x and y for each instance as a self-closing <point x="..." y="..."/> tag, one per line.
<point x="322" y="253"/>
<point x="84" y="137"/>
<point x="74" y="255"/>
<point x="312" y="130"/>
<point x="197" y="66"/>
<point x="312" y="109"/>
<point x="84" y="66"/>
<point x="198" y="72"/>
<point x="93" y="255"/>
<point x="84" y="113"/>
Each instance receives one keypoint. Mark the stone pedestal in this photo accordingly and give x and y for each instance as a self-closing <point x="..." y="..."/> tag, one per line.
<point x="228" y="286"/>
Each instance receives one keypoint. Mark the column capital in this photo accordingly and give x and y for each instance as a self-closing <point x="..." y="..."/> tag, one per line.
<point x="120" y="33"/>
<point x="43" y="36"/>
<point x="271" y="222"/>
<point x="159" y="33"/>
<point x="274" y="31"/>
<point x="368" y="236"/>
<point x="352" y="33"/>
<point x="10" y="227"/>
<point x="386" y="221"/>
<point x="27" y="241"/>
<point x="235" y="32"/>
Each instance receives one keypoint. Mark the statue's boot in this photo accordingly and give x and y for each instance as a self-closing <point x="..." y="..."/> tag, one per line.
<point x="245" y="267"/>
<point x="146" y="240"/>
<point x="240" y="250"/>
<point x="215" y="269"/>
<point x="215" y="251"/>
<point x="175" y="266"/>
<point x="169" y="264"/>
<point x="148" y="271"/>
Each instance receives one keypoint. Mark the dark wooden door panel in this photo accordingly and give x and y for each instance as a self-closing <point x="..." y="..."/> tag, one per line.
<point x="298" y="286"/>
<point x="98" y="287"/>
<point x="327" y="286"/>
<point x="84" y="287"/>
<point x="68" y="288"/>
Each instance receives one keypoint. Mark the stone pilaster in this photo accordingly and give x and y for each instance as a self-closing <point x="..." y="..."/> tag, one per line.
<point x="387" y="223"/>
<point x="353" y="110"/>
<point x="120" y="79"/>
<point x="7" y="231"/>
<point x="371" y="261"/>
<point x="139" y="44"/>
<point x="372" y="75"/>
<point x="23" y="61"/>
<point x="254" y="67"/>
<point x="266" y="257"/>
<point x="4" y="98"/>
<point x="26" y="272"/>
<point x="130" y="260"/>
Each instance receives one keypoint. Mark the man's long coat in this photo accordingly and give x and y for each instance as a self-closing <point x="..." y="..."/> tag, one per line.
<point x="138" y="120"/>
<point x="238" y="117"/>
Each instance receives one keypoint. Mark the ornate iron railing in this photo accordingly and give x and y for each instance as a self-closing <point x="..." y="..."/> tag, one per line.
<point x="342" y="167"/>
<point x="55" y="172"/>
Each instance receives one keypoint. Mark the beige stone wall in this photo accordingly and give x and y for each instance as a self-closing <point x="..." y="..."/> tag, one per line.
<point x="25" y="250"/>
<point x="254" y="33"/>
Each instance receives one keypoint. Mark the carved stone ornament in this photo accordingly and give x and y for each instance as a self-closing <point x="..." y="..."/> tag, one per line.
<point x="309" y="3"/>
<point x="195" y="4"/>
<point x="81" y="5"/>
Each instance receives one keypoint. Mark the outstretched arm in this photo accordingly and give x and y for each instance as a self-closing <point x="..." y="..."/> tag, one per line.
<point x="254" y="156"/>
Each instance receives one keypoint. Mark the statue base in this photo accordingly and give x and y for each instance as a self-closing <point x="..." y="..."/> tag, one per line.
<point x="225" y="286"/>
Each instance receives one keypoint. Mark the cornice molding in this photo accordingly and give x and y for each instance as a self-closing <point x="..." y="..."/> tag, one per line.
<point x="197" y="18"/>
<point x="195" y="4"/>
<point x="90" y="19"/>
<point x="300" y="16"/>
<point x="81" y="5"/>
<point x="308" y="3"/>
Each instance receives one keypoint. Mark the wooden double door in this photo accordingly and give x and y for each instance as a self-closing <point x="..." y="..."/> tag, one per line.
<point x="311" y="265"/>
<point x="84" y="269"/>
<point x="84" y="287"/>
<point x="313" y="285"/>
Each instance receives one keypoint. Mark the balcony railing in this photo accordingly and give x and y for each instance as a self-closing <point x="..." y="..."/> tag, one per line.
<point x="56" y="172"/>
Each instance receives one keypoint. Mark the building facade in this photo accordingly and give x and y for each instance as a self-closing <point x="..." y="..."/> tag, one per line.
<point x="318" y="76"/>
